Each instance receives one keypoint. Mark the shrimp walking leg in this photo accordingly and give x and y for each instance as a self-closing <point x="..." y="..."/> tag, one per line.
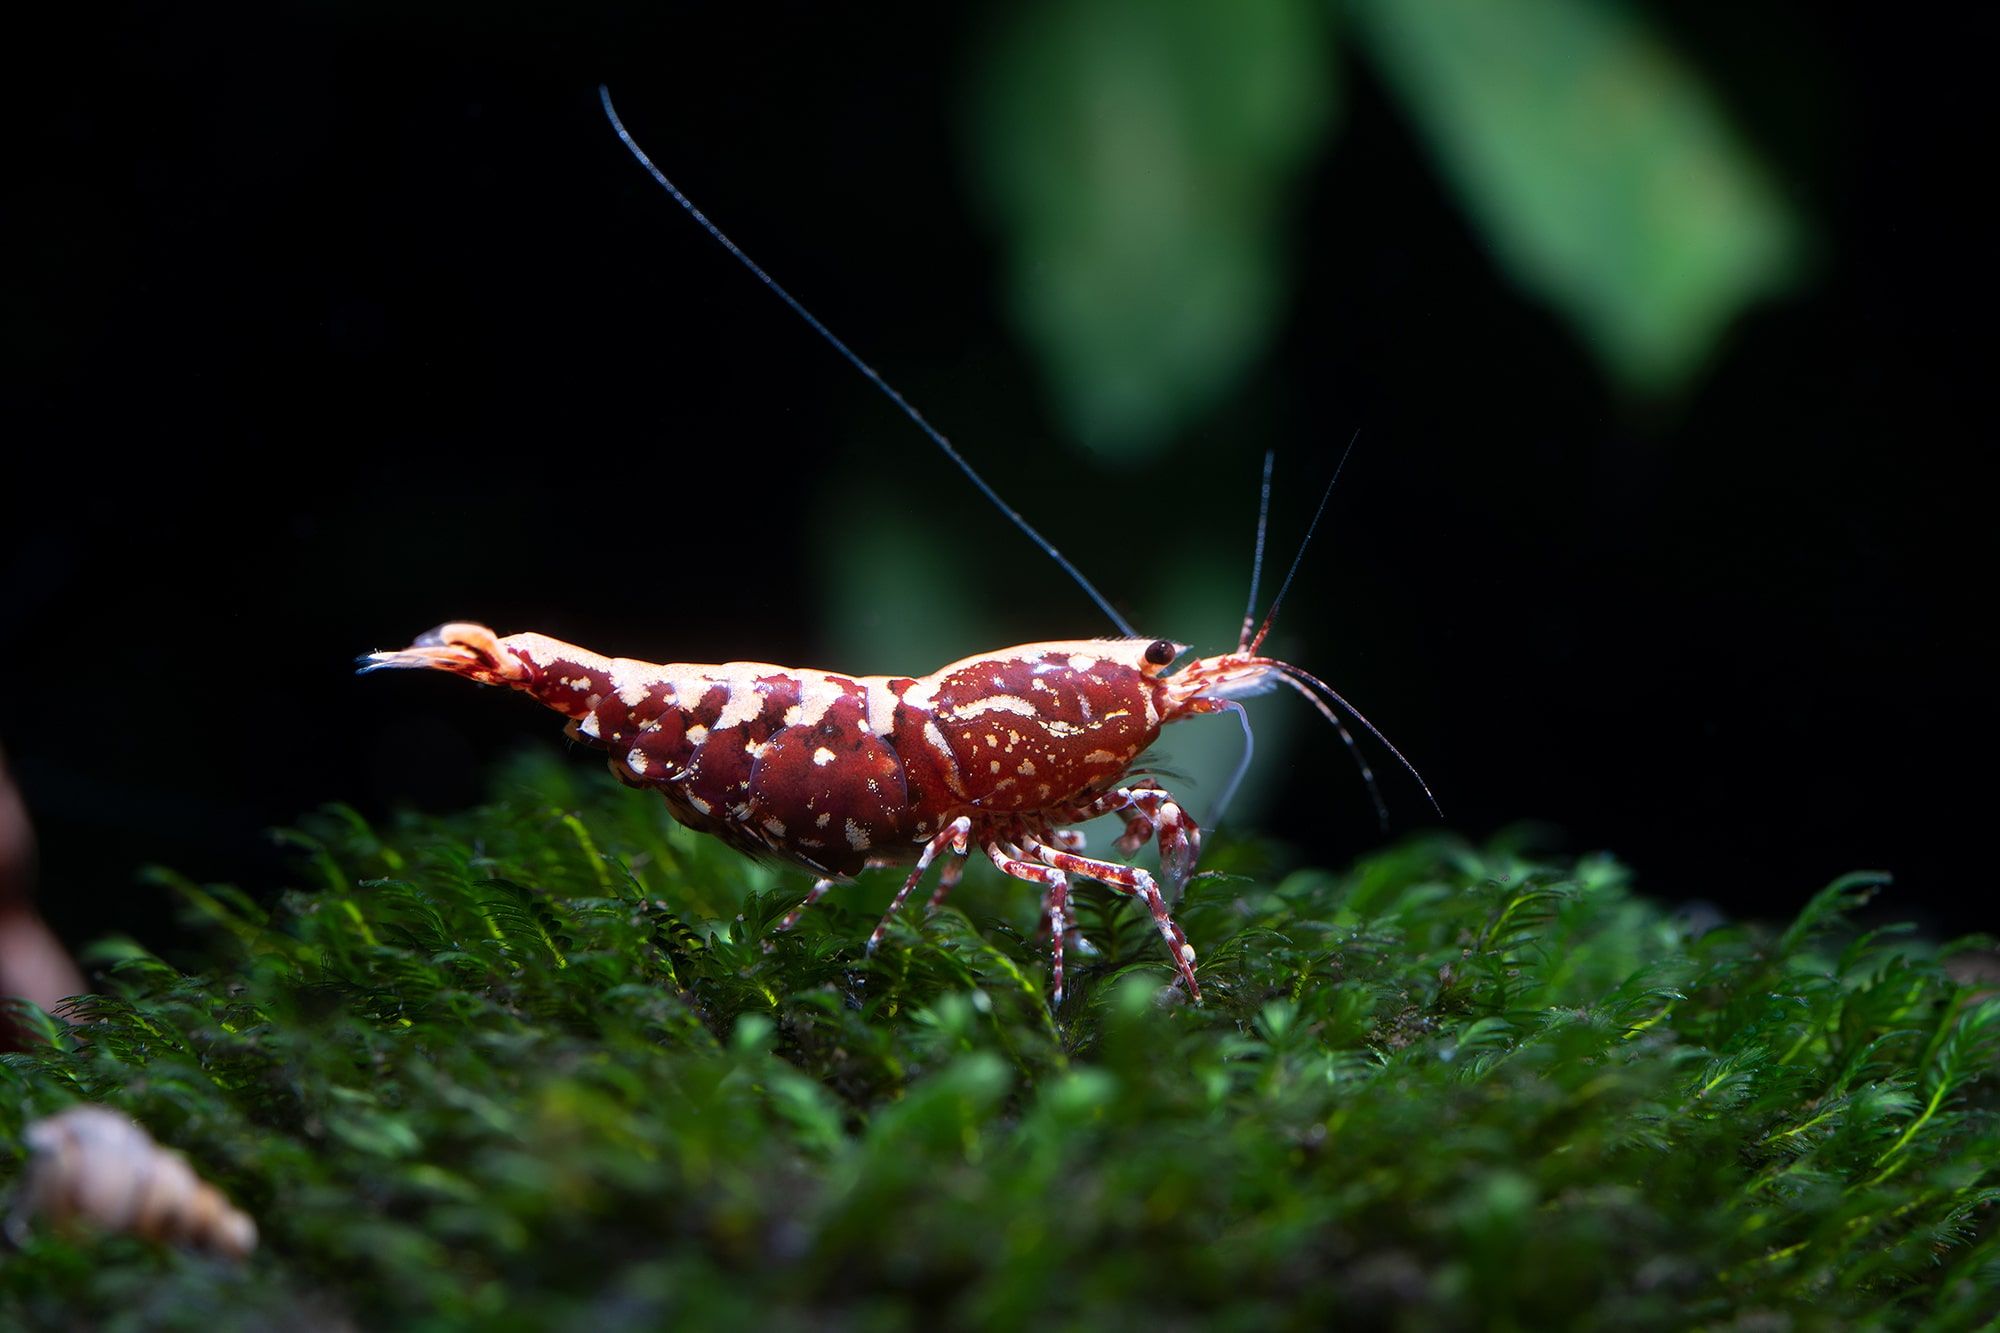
<point x="948" y="878"/>
<point x="1055" y="904"/>
<point x="1135" y="882"/>
<point x="952" y="835"/>
<point x="819" y="889"/>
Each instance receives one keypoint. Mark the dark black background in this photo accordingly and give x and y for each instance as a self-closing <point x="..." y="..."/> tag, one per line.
<point x="328" y="323"/>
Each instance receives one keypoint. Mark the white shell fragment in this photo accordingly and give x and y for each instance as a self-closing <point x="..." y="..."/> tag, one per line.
<point x="92" y="1165"/>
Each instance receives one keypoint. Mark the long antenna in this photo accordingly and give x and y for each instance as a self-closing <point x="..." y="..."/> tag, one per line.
<point x="1306" y="541"/>
<point x="1301" y="680"/>
<point x="936" y="436"/>
<point x="1257" y="560"/>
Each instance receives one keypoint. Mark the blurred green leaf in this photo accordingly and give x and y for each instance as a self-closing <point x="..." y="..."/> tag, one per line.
<point x="1137" y="155"/>
<point x="1598" y="167"/>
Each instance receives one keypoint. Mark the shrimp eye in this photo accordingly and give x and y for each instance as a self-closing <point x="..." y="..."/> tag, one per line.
<point x="1159" y="652"/>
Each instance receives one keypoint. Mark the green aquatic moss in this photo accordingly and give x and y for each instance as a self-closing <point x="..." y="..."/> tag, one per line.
<point x="548" y="1064"/>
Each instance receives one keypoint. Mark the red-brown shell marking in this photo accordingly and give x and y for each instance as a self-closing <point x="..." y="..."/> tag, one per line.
<point x="836" y="773"/>
<point x="1038" y="726"/>
<point x="831" y="772"/>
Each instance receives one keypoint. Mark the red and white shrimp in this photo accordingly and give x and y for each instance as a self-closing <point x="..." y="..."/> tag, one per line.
<point x="1003" y="751"/>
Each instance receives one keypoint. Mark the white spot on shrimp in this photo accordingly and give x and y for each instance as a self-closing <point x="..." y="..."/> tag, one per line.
<point x="1079" y="662"/>
<point x="817" y="694"/>
<point x="701" y="806"/>
<point x="857" y="837"/>
<point x="823" y="756"/>
<point x="881" y="708"/>
<point x="922" y="694"/>
<point x="741" y="705"/>
<point x="823" y="820"/>
<point x="588" y="726"/>
<point x="636" y="761"/>
<point x="1187" y="953"/>
<point x="934" y="737"/>
<point x="775" y="827"/>
<point x="1002" y="703"/>
<point x="697" y="734"/>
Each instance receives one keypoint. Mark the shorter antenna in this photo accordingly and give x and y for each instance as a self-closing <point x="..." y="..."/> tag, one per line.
<point x="936" y="436"/>
<point x="1257" y="560"/>
<point x="1242" y="765"/>
<point x="1306" y="541"/>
